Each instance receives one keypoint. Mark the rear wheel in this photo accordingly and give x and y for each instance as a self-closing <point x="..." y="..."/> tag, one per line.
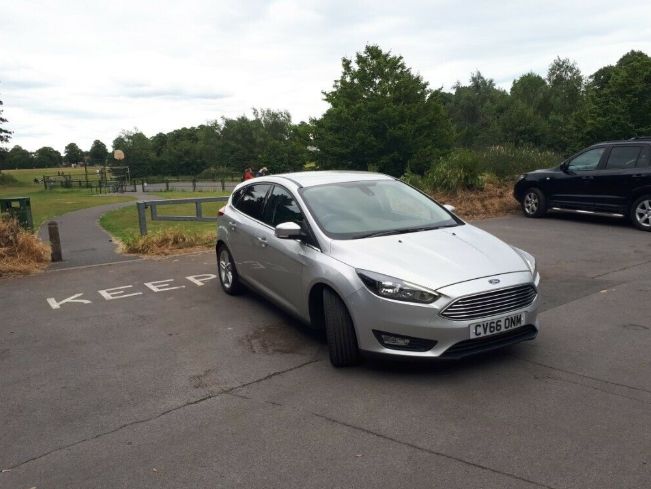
<point x="534" y="203"/>
<point x="641" y="213"/>
<point x="340" y="332"/>
<point x="228" y="277"/>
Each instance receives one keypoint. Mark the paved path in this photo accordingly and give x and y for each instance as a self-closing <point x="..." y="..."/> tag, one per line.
<point x="83" y="240"/>
<point x="151" y="377"/>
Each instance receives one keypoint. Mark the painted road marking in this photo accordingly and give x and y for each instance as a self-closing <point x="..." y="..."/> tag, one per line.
<point x="121" y="292"/>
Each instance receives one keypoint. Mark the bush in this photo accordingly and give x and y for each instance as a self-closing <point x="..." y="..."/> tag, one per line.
<point x="21" y="252"/>
<point x="6" y="179"/>
<point x="216" y="173"/>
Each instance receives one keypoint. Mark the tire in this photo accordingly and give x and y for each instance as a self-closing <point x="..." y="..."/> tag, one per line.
<point x="640" y="213"/>
<point x="340" y="332"/>
<point x="534" y="203"/>
<point x="228" y="277"/>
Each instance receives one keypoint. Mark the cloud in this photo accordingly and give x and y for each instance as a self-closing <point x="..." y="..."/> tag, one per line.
<point x="127" y="64"/>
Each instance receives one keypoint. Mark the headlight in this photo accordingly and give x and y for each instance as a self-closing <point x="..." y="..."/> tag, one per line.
<point x="522" y="177"/>
<point x="531" y="261"/>
<point x="396" y="289"/>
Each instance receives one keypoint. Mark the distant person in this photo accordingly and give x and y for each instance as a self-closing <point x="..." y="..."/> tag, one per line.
<point x="248" y="174"/>
<point x="262" y="172"/>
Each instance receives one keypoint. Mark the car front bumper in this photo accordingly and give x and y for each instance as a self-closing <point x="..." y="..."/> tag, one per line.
<point x="372" y="314"/>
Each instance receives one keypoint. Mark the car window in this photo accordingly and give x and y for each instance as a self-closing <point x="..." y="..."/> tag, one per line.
<point x="586" y="161"/>
<point x="622" y="157"/>
<point x="644" y="161"/>
<point x="251" y="199"/>
<point x="281" y="207"/>
<point x="355" y="210"/>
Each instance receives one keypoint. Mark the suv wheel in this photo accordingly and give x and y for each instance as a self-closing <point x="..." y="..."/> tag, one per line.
<point x="534" y="203"/>
<point x="228" y="276"/>
<point x="340" y="332"/>
<point x="641" y="213"/>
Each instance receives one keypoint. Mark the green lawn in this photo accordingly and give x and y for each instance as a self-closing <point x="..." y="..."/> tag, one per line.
<point x="47" y="204"/>
<point x="123" y="223"/>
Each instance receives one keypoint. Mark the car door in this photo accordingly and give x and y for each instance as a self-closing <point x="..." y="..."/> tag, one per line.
<point x="282" y="260"/>
<point x="613" y="182"/>
<point x="573" y="187"/>
<point x="244" y="228"/>
<point x="642" y="176"/>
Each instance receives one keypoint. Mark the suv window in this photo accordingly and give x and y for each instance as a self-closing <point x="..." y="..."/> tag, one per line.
<point x="623" y="157"/>
<point x="281" y="207"/>
<point x="250" y="199"/>
<point x="586" y="161"/>
<point x="644" y="161"/>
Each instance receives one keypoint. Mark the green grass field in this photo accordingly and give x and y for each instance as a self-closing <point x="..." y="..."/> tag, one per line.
<point x="123" y="223"/>
<point x="47" y="204"/>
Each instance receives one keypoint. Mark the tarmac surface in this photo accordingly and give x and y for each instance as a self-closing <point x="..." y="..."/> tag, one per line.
<point x="144" y="374"/>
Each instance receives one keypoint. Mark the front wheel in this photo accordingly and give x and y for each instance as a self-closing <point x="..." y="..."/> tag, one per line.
<point x="534" y="203"/>
<point x="340" y="332"/>
<point x="228" y="277"/>
<point x="641" y="213"/>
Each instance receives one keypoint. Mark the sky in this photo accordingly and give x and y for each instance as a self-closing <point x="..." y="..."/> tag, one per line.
<point x="79" y="70"/>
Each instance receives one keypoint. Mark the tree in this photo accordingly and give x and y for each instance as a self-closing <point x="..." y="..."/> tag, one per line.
<point x="476" y="110"/>
<point x="18" y="157"/>
<point x="5" y="134"/>
<point x="98" y="153"/>
<point x="381" y="116"/>
<point x="47" y="157"/>
<point x="73" y="154"/>
<point x="618" y="101"/>
<point x="138" y="153"/>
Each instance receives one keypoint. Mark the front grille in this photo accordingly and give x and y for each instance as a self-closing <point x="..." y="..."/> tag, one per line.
<point x="479" y="345"/>
<point x="490" y="303"/>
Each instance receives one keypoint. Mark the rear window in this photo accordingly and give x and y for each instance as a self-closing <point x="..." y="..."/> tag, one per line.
<point x="250" y="199"/>
<point x="622" y="157"/>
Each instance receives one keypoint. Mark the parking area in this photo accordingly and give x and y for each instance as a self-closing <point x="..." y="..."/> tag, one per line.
<point x="144" y="374"/>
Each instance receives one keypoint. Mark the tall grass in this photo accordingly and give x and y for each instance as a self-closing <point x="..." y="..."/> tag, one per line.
<point x="466" y="169"/>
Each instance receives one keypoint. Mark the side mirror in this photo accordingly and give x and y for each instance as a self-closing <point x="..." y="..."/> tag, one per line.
<point x="288" y="230"/>
<point x="449" y="207"/>
<point x="565" y="167"/>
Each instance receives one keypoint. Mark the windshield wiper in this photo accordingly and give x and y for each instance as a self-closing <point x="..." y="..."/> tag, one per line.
<point x="403" y="231"/>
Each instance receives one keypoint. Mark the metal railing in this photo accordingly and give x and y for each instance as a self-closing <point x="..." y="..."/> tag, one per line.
<point x="155" y="216"/>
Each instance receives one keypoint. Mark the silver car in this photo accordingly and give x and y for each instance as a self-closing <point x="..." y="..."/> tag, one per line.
<point x="377" y="264"/>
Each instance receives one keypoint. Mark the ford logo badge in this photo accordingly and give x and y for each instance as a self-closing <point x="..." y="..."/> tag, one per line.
<point x="494" y="281"/>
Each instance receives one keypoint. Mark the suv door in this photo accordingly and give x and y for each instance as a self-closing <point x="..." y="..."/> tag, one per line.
<point x="614" y="182"/>
<point x="244" y="227"/>
<point x="573" y="188"/>
<point x="282" y="260"/>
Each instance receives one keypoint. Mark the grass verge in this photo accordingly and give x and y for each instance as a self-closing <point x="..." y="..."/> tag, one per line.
<point x="494" y="200"/>
<point x="21" y="252"/>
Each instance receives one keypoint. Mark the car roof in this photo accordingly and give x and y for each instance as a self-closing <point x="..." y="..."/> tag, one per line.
<point x="635" y="141"/>
<point x="312" y="178"/>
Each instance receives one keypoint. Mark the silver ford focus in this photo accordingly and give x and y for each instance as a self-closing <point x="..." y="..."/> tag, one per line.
<point x="378" y="265"/>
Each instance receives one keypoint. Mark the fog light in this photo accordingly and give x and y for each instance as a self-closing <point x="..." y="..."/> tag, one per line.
<point x="401" y="342"/>
<point x="394" y="340"/>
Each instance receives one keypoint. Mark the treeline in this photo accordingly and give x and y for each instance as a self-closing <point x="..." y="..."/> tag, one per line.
<point x="384" y="117"/>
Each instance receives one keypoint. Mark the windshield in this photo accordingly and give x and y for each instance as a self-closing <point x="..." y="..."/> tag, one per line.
<point x="355" y="210"/>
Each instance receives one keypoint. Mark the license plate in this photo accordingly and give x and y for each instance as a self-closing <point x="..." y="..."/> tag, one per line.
<point x="496" y="326"/>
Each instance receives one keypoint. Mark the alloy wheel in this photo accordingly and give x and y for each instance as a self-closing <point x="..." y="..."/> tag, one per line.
<point x="531" y="203"/>
<point x="225" y="268"/>
<point x="643" y="213"/>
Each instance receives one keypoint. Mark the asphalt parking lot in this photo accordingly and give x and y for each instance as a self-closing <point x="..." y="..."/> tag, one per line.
<point x="144" y="374"/>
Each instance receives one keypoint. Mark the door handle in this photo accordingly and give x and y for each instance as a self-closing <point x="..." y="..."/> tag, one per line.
<point x="587" y="178"/>
<point x="262" y="240"/>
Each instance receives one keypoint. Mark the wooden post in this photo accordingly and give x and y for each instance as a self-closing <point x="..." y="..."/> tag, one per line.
<point x="55" y="241"/>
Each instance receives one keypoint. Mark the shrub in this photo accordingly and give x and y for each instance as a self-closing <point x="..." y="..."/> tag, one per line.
<point x="21" y="252"/>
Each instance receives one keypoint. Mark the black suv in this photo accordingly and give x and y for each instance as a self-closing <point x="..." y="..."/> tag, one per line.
<point x="608" y="178"/>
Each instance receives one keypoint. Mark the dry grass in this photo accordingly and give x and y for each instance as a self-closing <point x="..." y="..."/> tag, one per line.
<point x="21" y="252"/>
<point x="168" y="242"/>
<point x="496" y="199"/>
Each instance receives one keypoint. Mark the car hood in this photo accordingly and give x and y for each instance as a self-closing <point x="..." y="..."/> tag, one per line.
<point x="432" y="259"/>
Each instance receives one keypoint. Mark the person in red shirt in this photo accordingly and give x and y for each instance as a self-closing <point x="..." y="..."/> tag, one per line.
<point x="248" y="174"/>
